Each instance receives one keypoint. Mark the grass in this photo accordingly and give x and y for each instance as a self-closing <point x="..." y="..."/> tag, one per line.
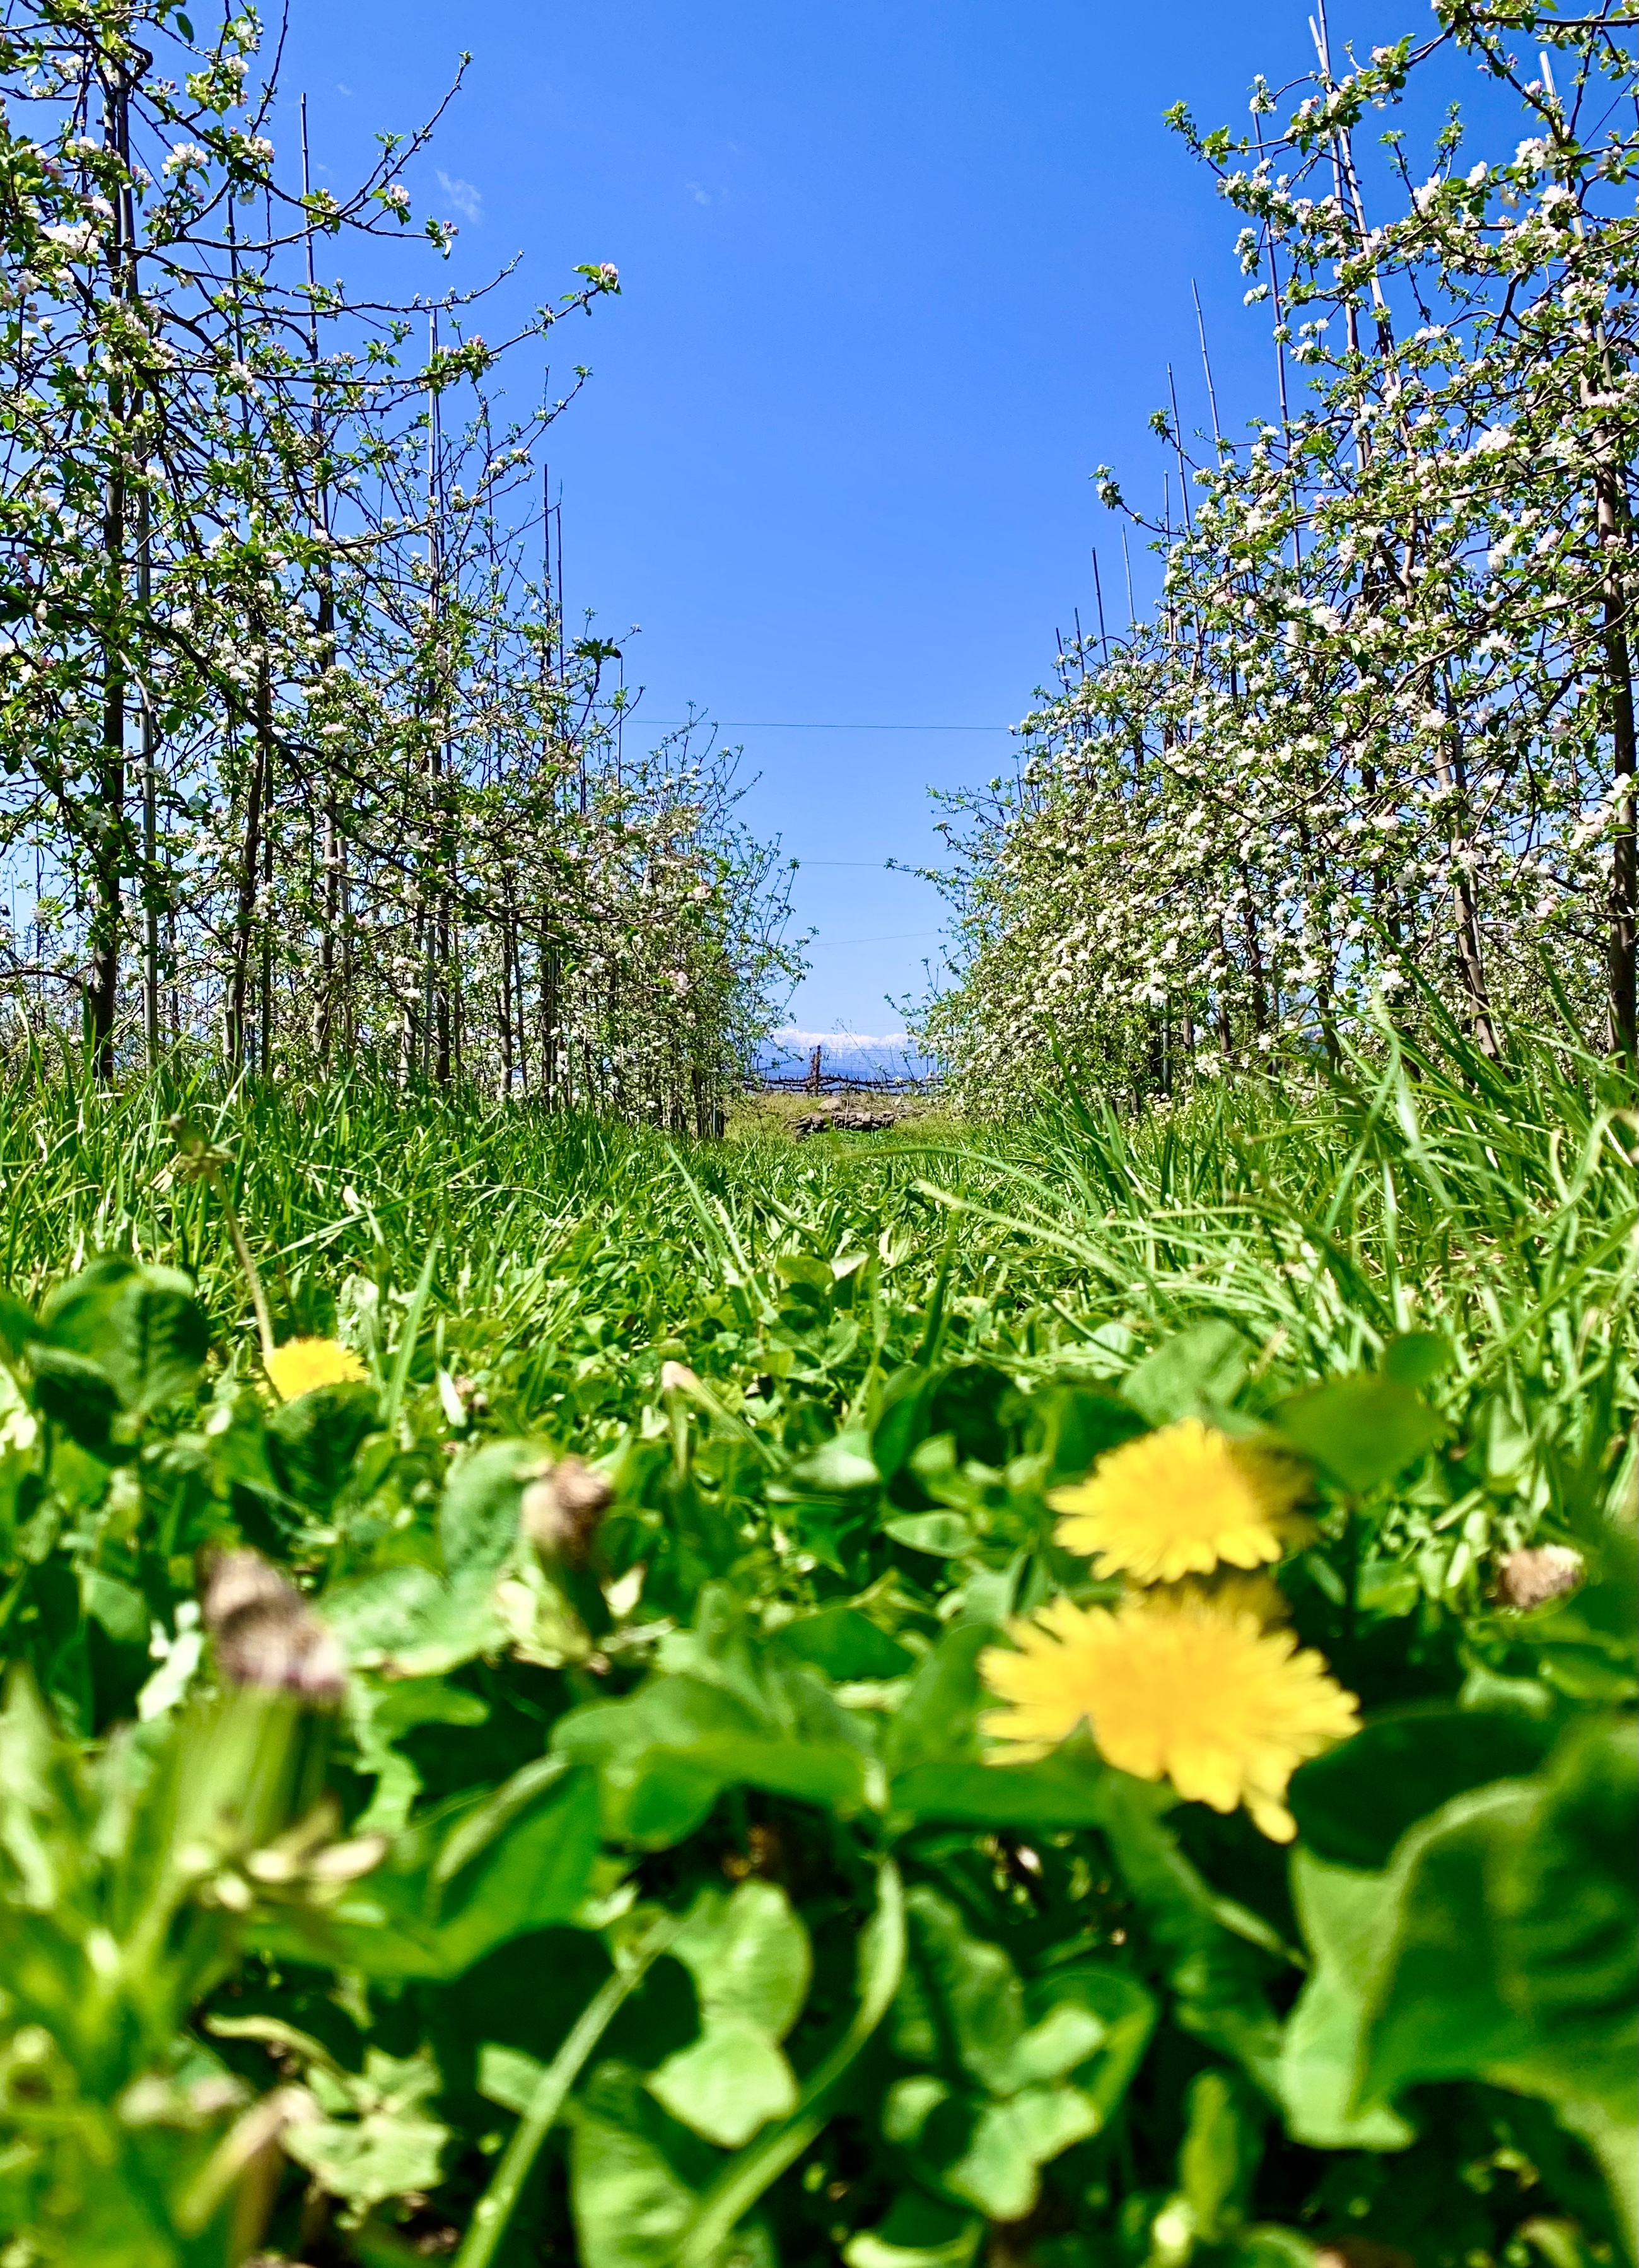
<point x="764" y="1669"/>
<point x="1491" y="1204"/>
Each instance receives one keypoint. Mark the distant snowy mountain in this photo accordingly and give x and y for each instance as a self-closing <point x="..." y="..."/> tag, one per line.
<point x="844" y="1054"/>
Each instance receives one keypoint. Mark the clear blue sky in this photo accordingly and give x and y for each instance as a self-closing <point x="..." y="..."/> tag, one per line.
<point x="897" y="274"/>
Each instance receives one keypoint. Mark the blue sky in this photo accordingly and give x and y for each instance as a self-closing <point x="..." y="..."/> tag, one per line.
<point x="897" y="274"/>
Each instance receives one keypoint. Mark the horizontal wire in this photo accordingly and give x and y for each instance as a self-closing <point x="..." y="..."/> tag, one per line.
<point x="770" y="724"/>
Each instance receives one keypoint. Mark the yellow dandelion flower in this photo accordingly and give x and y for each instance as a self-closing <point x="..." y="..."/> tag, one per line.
<point x="1181" y="1502"/>
<point x="1173" y="1687"/>
<point x="301" y="1365"/>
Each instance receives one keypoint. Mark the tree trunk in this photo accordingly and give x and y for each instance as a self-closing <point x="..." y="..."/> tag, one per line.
<point x="1624" y="1039"/>
<point x="245" y="905"/>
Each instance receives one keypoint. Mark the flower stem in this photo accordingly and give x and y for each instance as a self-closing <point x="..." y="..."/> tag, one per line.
<point x="258" y="1297"/>
<point x="495" y="2209"/>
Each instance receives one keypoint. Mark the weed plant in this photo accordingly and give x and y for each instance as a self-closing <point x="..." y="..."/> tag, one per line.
<point x="529" y="1797"/>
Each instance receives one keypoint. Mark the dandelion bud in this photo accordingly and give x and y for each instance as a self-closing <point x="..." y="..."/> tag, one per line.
<point x="265" y="1636"/>
<point x="1532" y="1577"/>
<point x="677" y="1378"/>
<point x="561" y="1510"/>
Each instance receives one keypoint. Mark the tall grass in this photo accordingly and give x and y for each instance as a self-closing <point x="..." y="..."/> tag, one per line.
<point x="1493" y="1203"/>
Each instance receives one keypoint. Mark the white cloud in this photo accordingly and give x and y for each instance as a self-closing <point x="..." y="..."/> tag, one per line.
<point x="467" y="200"/>
<point x="701" y="196"/>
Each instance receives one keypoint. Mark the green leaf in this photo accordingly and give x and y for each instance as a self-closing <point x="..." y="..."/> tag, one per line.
<point x="1219" y="2154"/>
<point x="998" y="2111"/>
<point x="1216" y="1979"/>
<point x="78" y="1394"/>
<point x="1416" y="1358"/>
<point x="902" y="1418"/>
<point x="478" y="1520"/>
<point x="313" y="1441"/>
<point x="508" y="2076"/>
<point x="1571" y="1915"/>
<point x="1362" y="1431"/>
<point x="1061" y="1791"/>
<point x="632" y="2205"/>
<point x="389" y="2148"/>
<point x="142" y="1326"/>
<point x="664" y="1755"/>
<point x="845" y="1645"/>
<point x="17" y="1325"/>
<point x="509" y="1872"/>
<point x="836" y="1467"/>
<point x="998" y="2170"/>
<point x="748" y="1956"/>
<point x="1125" y="2013"/>
<point x="727" y="2084"/>
<point x="919" y="2232"/>
<point x="1434" y="2002"/>
<point x="1353" y="1804"/>
<point x="406" y="1621"/>
<point x="1202" y="1368"/>
<point x="1076" y="1425"/>
<point x="961" y="1995"/>
<point x="534" y="1875"/>
<point x="121" y="1610"/>
<point x="937" y="1721"/>
<point x="1338" y="1909"/>
<point x="750" y="2172"/>
<point x="942" y="1534"/>
<point x="1508" y="1948"/>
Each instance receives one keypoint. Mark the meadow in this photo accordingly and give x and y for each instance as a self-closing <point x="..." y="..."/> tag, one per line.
<point x="506" y="1763"/>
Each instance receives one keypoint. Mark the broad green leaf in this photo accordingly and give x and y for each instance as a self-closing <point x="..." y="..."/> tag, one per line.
<point x="1125" y="2012"/>
<point x="959" y="1993"/>
<point x="533" y="1874"/>
<point x="78" y="1394"/>
<point x="727" y="2084"/>
<point x="1568" y="1912"/>
<point x="121" y="1610"/>
<point x="17" y="1325"/>
<point x="1353" y="1804"/>
<point x="142" y="1326"/>
<point x="942" y="1534"/>
<point x="1338" y="1908"/>
<point x="748" y="1956"/>
<point x="902" y="1418"/>
<point x="1434" y="2002"/>
<point x="1362" y="1431"/>
<point x="1219" y="2153"/>
<point x="1060" y="1791"/>
<point x="664" y="1755"/>
<point x="508" y="2076"/>
<point x="388" y="2147"/>
<point x="404" y="1921"/>
<point x="919" y="2232"/>
<point x="996" y="2109"/>
<point x="406" y="1621"/>
<point x="478" y="1519"/>
<point x="937" y="1721"/>
<point x="999" y="2169"/>
<point x="846" y="1645"/>
<point x="632" y="2205"/>
<point x="1416" y="1358"/>
<point x="836" y="1467"/>
<point x="1076" y="1425"/>
<point x="1216" y="1979"/>
<point x="1202" y="1367"/>
<point x="313" y="1441"/>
